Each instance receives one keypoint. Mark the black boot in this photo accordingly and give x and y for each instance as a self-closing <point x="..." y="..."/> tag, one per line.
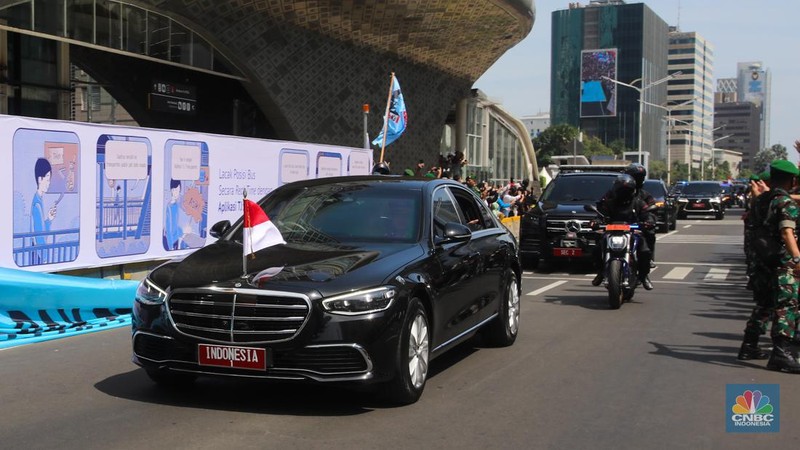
<point x="598" y="279"/>
<point x="750" y="349"/>
<point x="781" y="358"/>
<point x="646" y="282"/>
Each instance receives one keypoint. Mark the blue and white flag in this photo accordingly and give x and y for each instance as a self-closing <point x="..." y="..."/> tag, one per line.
<point x="395" y="122"/>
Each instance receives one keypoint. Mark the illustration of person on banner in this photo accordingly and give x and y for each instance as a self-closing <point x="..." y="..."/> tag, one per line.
<point x="396" y="118"/>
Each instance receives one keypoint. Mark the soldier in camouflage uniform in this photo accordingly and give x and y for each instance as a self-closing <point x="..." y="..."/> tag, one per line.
<point x="783" y="216"/>
<point x="759" y="279"/>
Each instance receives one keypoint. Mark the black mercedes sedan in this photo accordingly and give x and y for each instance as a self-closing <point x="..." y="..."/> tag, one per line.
<point x="378" y="276"/>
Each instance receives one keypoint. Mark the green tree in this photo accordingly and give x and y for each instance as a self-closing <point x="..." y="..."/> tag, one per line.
<point x="594" y="146"/>
<point x="553" y="141"/>
<point x="766" y="156"/>
<point x="658" y="170"/>
<point x="723" y="171"/>
<point x="680" y="172"/>
<point x="618" y="147"/>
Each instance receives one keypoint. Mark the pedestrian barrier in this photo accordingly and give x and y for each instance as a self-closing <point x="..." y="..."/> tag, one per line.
<point x="37" y="307"/>
<point x="512" y="223"/>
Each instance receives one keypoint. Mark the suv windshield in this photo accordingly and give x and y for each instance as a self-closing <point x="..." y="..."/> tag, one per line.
<point x="702" y="189"/>
<point x="578" y="188"/>
<point x="655" y="188"/>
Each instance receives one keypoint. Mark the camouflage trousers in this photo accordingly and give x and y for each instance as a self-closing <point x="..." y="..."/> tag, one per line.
<point x="785" y="285"/>
<point x="764" y="298"/>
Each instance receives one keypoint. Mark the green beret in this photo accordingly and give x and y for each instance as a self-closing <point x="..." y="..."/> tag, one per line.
<point x="754" y="177"/>
<point x="764" y="175"/>
<point x="408" y="173"/>
<point x="784" y="166"/>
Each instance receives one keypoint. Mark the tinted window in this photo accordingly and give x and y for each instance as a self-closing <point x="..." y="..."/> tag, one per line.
<point x="701" y="189"/>
<point x="444" y="211"/>
<point x="578" y="188"/>
<point x="346" y="213"/>
<point x="655" y="188"/>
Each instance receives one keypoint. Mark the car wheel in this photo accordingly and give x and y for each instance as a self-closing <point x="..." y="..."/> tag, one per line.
<point x="720" y="215"/>
<point x="412" y="358"/>
<point x="663" y="228"/>
<point x="502" y="331"/>
<point x="170" y="379"/>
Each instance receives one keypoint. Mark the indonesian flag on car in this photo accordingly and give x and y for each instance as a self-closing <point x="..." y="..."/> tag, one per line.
<point x="259" y="231"/>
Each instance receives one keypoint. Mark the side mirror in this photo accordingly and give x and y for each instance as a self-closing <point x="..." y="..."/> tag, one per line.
<point x="455" y="232"/>
<point x="220" y="228"/>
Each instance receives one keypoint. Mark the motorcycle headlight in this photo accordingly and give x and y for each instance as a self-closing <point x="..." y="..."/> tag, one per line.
<point x="617" y="242"/>
<point x="659" y="204"/>
<point x="361" y="302"/>
<point x="149" y="294"/>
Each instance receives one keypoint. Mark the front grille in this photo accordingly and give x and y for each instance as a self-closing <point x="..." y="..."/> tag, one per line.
<point x="560" y="225"/>
<point x="238" y="316"/>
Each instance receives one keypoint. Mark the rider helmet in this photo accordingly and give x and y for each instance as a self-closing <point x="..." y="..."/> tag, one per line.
<point x="624" y="188"/>
<point x="638" y="172"/>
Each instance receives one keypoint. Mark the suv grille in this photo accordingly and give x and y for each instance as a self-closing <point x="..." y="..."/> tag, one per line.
<point x="561" y="225"/>
<point x="237" y="316"/>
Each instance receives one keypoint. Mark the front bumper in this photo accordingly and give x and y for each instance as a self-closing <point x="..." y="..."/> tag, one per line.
<point x="327" y="348"/>
<point x="566" y="239"/>
<point x="701" y="207"/>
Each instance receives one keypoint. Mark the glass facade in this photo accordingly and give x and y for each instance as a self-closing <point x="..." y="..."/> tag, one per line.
<point x="641" y="39"/>
<point x="119" y="26"/>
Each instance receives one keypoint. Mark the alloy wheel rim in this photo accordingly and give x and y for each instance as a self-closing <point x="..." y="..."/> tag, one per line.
<point x="513" y="307"/>
<point x="418" y="351"/>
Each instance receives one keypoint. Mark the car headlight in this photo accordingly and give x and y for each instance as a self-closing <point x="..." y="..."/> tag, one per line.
<point x="659" y="204"/>
<point x="617" y="242"/>
<point x="361" y="302"/>
<point x="149" y="294"/>
<point x="683" y="200"/>
<point x="714" y="200"/>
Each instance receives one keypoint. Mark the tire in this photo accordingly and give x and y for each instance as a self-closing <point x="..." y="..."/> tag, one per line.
<point x="502" y="331"/>
<point x="663" y="228"/>
<point x="615" y="284"/>
<point x="720" y="215"/>
<point x="169" y="379"/>
<point x="633" y="280"/>
<point x="413" y="352"/>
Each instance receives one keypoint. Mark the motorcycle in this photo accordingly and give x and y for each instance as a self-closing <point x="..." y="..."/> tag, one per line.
<point x="620" y="262"/>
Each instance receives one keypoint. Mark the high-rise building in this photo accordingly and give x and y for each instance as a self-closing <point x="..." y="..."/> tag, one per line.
<point x="603" y="41"/>
<point x="754" y="86"/>
<point x="737" y="126"/>
<point x="690" y="98"/>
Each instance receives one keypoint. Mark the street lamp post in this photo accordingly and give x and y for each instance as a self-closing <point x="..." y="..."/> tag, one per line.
<point x="691" y="145"/>
<point x="641" y="90"/>
<point x="669" y="110"/>
<point x="714" y="158"/>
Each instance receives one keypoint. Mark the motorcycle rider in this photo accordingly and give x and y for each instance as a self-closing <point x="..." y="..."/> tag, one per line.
<point x="639" y="173"/>
<point x="621" y="204"/>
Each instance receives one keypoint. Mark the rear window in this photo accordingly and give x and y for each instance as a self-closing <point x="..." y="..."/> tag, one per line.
<point x="655" y="188"/>
<point x="578" y="189"/>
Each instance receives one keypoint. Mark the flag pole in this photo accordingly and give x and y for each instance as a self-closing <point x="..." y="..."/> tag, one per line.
<point x="244" y="234"/>
<point x="386" y="116"/>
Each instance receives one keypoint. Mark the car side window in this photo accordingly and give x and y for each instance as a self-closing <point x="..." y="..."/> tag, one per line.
<point x="444" y="211"/>
<point x="473" y="215"/>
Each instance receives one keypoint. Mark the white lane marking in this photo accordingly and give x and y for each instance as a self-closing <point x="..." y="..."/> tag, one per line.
<point x="678" y="273"/>
<point x="659" y="281"/>
<point x="687" y="226"/>
<point x="700" y="264"/>
<point x="547" y="288"/>
<point x="715" y="273"/>
<point x="658" y="238"/>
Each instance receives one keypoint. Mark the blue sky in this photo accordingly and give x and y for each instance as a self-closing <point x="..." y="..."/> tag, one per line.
<point x="739" y="30"/>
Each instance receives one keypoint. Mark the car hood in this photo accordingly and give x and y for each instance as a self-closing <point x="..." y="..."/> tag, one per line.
<point x="307" y="268"/>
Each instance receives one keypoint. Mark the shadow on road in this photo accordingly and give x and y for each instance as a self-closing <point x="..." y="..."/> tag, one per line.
<point x="268" y="397"/>
<point x="588" y="301"/>
<point x="719" y="355"/>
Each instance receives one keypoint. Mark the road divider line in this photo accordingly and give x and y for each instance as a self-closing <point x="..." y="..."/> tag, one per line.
<point x="687" y="226"/>
<point x="665" y="235"/>
<point x="547" y="288"/>
<point x="678" y="273"/>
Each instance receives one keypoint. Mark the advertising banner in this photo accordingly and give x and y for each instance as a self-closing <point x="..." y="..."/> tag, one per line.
<point x="85" y="195"/>
<point x="598" y="94"/>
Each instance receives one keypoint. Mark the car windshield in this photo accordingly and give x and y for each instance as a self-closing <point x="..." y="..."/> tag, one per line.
<point x="702" y="189"/>
<point x="578" y="188"/>
<point x="655" y="188"/>
<point x="346" y="212"/>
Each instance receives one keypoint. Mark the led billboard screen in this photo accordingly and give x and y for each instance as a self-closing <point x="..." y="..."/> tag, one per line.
<point x="598" y="94"/>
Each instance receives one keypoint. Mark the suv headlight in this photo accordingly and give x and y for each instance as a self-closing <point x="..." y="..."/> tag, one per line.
<point x="361" y="302"/>
<point x="149" y="294"/>
<point x="715" y="200"/>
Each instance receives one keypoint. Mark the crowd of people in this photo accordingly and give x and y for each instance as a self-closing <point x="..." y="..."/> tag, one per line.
<point x="773" y="264"/>
<point x="504" y="199"/>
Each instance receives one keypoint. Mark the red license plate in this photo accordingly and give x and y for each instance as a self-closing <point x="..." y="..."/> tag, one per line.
<point x="568" y="252"/>
<point x="699" y="205"/>
<point x="234" y="357"/>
